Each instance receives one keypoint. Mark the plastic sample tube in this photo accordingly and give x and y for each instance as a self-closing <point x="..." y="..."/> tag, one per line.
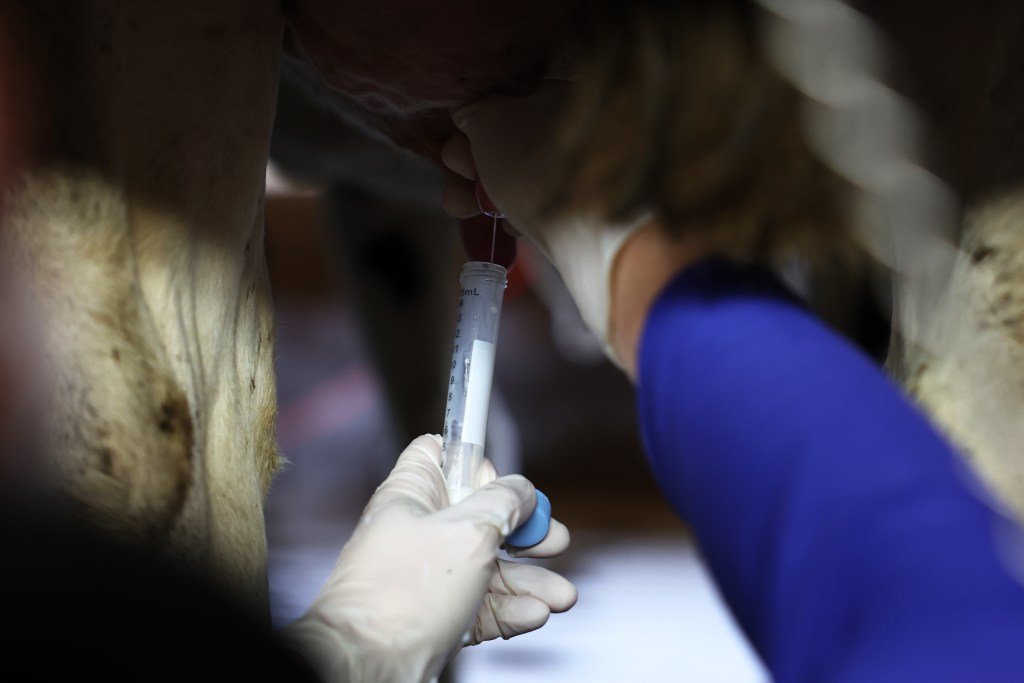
<point x="482" y="287"/>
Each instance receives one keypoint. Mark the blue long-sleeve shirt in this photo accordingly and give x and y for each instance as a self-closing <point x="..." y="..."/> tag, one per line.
<point x="849" y="540"/>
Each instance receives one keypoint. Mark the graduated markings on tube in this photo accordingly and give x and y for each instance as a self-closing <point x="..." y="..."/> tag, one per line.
<point x="478" y="392"/>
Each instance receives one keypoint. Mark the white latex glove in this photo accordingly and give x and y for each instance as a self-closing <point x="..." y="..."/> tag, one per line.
<point x="419" y="578"/>
<point x="503" y="144"/>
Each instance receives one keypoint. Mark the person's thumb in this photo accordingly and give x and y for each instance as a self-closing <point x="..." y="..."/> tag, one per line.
<point x="416" y="481"/>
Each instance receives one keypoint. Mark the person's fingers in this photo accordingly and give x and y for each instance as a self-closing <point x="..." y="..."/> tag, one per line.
<point x="457" y="156"/>
<point x="458" y="198"/>
<point x="501" y="505"/>
<point x="557" y="538"/>
<point x="416" y="479"/>
<point x="506" y="616"/>
<point x="520" y="599"/>
<point x="554" y="543"/>
<point x="535" y="581"/>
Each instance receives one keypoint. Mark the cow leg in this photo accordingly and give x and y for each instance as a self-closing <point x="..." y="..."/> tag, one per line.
<point x="137" y="233"/>
<point x="401" y="266"/>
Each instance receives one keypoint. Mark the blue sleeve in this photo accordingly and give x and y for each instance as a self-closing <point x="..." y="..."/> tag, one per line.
<point x="849" y="541"/>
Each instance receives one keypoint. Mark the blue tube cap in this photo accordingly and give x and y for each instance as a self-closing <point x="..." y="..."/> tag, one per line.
<point x="535" y="528"/>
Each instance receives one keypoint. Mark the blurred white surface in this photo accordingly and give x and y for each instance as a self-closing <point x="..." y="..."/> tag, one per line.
<point x="647" y="612"/>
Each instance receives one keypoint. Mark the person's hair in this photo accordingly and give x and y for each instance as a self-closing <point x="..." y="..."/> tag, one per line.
<point x="674" y="109"/>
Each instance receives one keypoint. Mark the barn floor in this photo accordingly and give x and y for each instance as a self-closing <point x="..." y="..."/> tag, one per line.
<point x="647" y="610"/>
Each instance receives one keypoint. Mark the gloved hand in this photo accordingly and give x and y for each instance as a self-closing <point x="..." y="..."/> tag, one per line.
<point x="503" y="144"/>
<point x="419" y="578"/>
